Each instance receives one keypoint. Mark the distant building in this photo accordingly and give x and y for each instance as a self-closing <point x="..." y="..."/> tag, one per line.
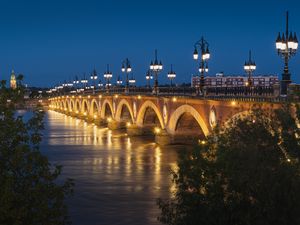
<point x="13" y="81"/>
<point x="235" y="81"/>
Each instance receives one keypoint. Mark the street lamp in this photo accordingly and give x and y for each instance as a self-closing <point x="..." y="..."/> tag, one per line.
<point x="171" y="75"/>
<point x="126" y="68"/>
<point x="132" y="81"/>
<point x="107" y="76"/>
<point x="249" y="67"/>
<point x="100" y="85"/>
<point x="119" y="81"/>
<point x="202" y="47"/>
<point x="84" y="82"/>
<point x="94" y="77"/>
<point x="76" y="82"/>
<point x="156" y="67"/>
<point x="64" y="84"/>
<point x="70" y="84"/>
<point x="286" y="45"/>
<point x="148" y="78"/>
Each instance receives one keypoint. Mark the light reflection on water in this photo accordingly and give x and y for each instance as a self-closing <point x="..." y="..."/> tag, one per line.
<point x="118" y="178"/>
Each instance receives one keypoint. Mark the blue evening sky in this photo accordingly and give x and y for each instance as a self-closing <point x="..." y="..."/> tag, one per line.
<point x="52" y="40"/>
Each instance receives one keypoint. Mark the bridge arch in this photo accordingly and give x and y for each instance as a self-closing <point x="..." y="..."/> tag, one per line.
<point x="77" y="105"/>
<point x="182" y="111"/>
<point x="142" y="112"/>
<point x="61" y="105"/>
<point x="106" y="109"/>
<point x="123" y="107"/>
<point x="85" y="106"/>
<point x="94" y="107"/>
<point x="72" y="103"/>
<point x="67" y="105"/>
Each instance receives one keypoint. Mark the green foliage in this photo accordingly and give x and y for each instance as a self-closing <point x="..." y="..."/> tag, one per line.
<point x="247" y="173"/>
<point x="29" y="190"/>
<point x="15" y="96"/>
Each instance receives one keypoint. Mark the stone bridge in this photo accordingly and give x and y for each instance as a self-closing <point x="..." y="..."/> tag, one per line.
<point x="172" y="119"/>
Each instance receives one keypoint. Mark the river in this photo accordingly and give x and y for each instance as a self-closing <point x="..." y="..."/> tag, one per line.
<point x="117" y="178"/>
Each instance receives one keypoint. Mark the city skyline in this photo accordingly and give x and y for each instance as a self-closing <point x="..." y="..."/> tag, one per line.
<point x="55" y="41"/>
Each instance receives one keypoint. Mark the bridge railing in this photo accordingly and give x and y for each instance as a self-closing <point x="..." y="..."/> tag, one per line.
<point x="191" y="91"/>
<point x="248" y="98"/>
<point x="240" y="91"/>
<point x="165" y="91"/>
<point x="269" y="94"/>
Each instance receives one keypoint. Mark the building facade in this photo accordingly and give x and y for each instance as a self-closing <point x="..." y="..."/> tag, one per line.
<point x="220" y="80"/>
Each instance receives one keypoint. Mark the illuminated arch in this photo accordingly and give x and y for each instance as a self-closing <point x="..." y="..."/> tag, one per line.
<point x="83" y="104"/>
<point x="122" y="103"/>
<point x="103" y="108"/>
<point x="186" y="109"/>
<point x="72" y="105"/>
<point x="94" y="102"/>
<point x="61" y="105"/>
<point x="77" y="105"/>
<point x="64" y="104"/>
<point x="67" y="105"/>
<point x="142" y="111"/>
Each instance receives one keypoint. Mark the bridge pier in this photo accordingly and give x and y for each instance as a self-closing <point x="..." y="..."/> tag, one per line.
<point x="138" y="130"/>
<point x="162" y="137"/>
<point x="134" y="130"/>
<point x="187" y="139"/>
<point x="100" y="122"/>
<point x="115" y="125"/>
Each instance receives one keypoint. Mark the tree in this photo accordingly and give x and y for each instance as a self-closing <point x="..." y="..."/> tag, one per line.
<point x="246" y="173"/>
<point x="3" y="84"/>
<point x="19" y="79"/>
<point x="29" y="190"/>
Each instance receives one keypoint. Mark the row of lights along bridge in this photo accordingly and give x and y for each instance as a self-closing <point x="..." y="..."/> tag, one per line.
<point x="286" y="45"/>
<point x="80" y="85"/>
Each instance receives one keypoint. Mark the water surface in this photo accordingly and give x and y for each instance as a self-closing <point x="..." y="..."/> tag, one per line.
<point x="118" y="178"/>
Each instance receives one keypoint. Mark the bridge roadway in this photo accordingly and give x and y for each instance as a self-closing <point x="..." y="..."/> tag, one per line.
<point x="172" y="119"/>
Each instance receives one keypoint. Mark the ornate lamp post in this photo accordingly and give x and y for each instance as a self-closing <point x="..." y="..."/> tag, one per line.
<point x="70" y="84"/>
<point x="100" y="85"/>
<point x="59" y="88"/>
<point x="132" y="81"/>
<point x="148" y="78"/>
<point x="84" y="82"/>
<point x="249" y="67"/>
<point x="119" y="81"/>
<point x="126" y="68"/>
<point x="76" y="83"/>
<point x="94" y="77"/>
<point x="107" y="76"/>
<point x="171" y="76"/>
<point x="202" y="47"/>
<point x="156" y="67"/>
<point x="64" y="84"/>
<point x="286" y="45"/>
